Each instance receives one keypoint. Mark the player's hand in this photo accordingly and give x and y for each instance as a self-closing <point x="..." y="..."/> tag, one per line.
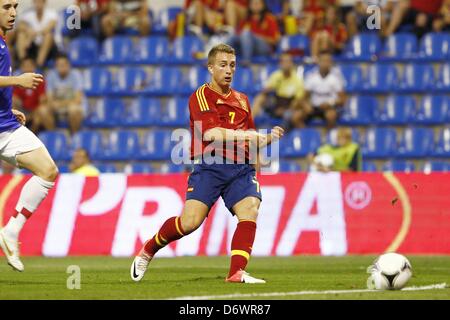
<point x="30" y="80"/>
<point x="276" y="133"/>
<point x="20" y="116"/>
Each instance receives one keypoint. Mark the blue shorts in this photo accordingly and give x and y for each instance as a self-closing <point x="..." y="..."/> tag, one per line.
<point x="233" y="182"/>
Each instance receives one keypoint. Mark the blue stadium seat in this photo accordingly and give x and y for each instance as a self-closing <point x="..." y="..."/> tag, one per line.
<point x="442" y="147"/>
<point x="296" y="44"/>
<point x="165" y="81"/>
<point x="380" y="78"/>
<point x="300" y="142"/>
<point x="165" y="16"/>
<point x="379" y="143"/>
<point x="434" y="47"/>
<point x="353" y="77"/>
<point x="359" y="110"/>
<point x="57" y="144"/>
<point x="332" y="136"/>
<point x="156" y="145"/>
<point x="362" y="47"/>
<point x="243" y="80"/>
<point x="184" y="49"/>
<point x="122" y="145"/>
<point x="435" y="166"/>
<point x="175" y="113"/>
<point x="289" y="166"/>
<point x="142" y="112"/>
<point x="443" y="82"/>
<point x="399" y="165"/>
<point x="97" y="81"/>
<point x="91" y="141"/>
<point x="433" y="109"/>
<point x="369" y="166"/>
<point x="397" y="110"/>
<point x="129" y="81"/>
<point x="83" y="51"/>
<point x="417" y="78"/>
<point x="105" y="113"/>
<point x="415" y="143"/>
<point x="152" y="50"/>
<point x="139" y="168"/>
<point x="117" y="50"/>
<point x="105" y="167"/>
<point x="400" y="47"/>
<point x="169" y="167"/>
<point x="194" y="78"/>
<point x="63" y="168"/>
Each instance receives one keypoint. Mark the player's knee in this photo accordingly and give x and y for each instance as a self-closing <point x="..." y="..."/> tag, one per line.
<point x="50" y="172"/>
<point x="190" y="223"/>
<point x="248" y="213"/>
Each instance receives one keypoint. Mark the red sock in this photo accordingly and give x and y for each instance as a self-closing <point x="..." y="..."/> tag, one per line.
<point x="170" y="231"/>
<point x="241" y="245"/>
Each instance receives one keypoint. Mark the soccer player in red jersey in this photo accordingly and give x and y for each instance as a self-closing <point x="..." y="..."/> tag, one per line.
<point x="222" y="115"/>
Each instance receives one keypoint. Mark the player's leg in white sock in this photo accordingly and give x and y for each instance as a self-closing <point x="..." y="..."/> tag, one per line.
<point x="32" y="194"/>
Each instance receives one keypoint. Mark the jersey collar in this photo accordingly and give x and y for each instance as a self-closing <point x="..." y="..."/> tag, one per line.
<point x="222" y="95"/>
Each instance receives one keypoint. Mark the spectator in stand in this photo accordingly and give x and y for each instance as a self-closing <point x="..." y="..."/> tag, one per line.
<point x="65" y="92"/>
<point x="324" y="93"/>
<point x="419" y="13"/>
<point x="356" y="19"/>
<point x="235" y="13"/>
<point x="124" y="15"/>
<point x="329" y="34"/>
<point x="345" y="155"/>
<point x="442" y="22"/>
<point x="35" y="33"/>
<point x="33" y="102"/>
<point x="81" y="164"/>
<point x="313" y="11"/>
<point x="204" y="14"/>
<point x="282" y="92"/>
<point x="91" y="12"/>
<point x="258" y="34"/>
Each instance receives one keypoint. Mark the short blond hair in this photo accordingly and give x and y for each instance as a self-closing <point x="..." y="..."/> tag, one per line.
<point x="217" y="49"/>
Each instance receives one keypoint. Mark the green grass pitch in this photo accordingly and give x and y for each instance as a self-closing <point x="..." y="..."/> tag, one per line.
<point x="108" y="278"/>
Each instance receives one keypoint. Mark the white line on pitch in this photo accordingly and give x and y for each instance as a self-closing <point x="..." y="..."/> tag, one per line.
<point x="302" y="293"/>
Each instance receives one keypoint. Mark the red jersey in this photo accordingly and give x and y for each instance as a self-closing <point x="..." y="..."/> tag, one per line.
<point x="210" y="109"/>
<point x="30" y="98"/>
<point x="268" y="27"/>
<point x="430" y="6"/>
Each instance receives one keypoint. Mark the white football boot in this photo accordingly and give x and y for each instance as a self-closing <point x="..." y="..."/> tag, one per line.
<point x="139" y="266"/>
<point x="11" y="250"/>
<point x="244" y="277"/>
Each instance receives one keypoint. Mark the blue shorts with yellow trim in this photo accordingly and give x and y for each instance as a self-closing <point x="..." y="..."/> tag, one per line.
<point x="233" y="182"/>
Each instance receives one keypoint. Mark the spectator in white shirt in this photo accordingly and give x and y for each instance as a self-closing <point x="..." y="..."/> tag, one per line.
<point x="35" y="33"/>
<point x="324" y="93"/>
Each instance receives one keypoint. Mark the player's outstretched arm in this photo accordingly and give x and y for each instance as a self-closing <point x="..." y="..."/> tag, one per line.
<point x="26" y="80"/>
<point x="225" y="135"/>
<point x="262" y="140"/>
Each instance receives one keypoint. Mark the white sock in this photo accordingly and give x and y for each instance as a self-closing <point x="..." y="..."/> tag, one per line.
<point x="31" y="196"/>
<point x="12" y="229"/>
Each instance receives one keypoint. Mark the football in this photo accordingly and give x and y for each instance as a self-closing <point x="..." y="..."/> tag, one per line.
<point x="390" y="271"/>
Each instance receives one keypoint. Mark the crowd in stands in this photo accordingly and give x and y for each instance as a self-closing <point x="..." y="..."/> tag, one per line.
<point x="254" y="28"/>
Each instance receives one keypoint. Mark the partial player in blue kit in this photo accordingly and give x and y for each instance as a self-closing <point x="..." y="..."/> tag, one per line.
<point x="18" y="145"/>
